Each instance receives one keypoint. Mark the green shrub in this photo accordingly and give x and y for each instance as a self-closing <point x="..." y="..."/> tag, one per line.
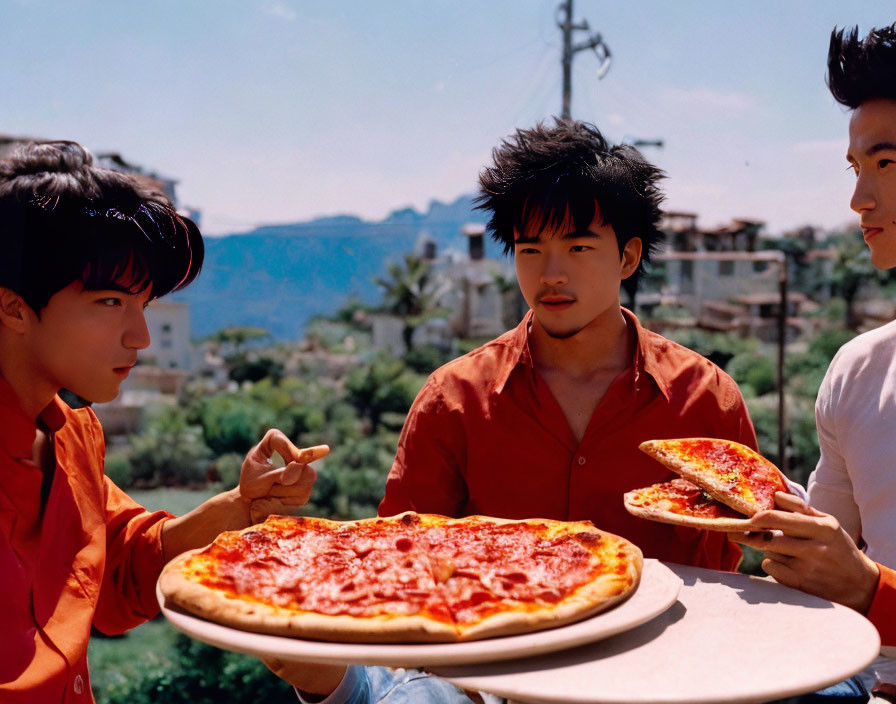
<point x="118" y="468"/>
<point x="229" y="466"/>
<point x="426" y="358"/>
<point x="754" y="372"/>
<point x="169" y="451"/>
<point x="202" y="674"/>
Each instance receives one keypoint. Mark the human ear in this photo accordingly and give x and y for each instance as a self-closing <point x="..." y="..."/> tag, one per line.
<point x="631" y="256"/>
<point x="12" y="310"/>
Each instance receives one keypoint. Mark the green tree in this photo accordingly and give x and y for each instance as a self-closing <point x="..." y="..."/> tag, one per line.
<point x="235" y="337"/>
<point x="853" y="270"/>
<point x="384" y="386"/>
<point x="234" y="422"/>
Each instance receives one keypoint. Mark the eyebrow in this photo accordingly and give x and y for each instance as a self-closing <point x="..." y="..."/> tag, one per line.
<point x="574" y="235"/>
<point x="875" y="148"/>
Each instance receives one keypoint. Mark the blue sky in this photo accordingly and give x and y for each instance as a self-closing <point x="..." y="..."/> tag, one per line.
<point x="282" y="110"/>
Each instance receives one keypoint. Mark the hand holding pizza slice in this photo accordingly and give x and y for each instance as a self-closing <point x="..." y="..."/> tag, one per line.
<point x="723" y="483"/>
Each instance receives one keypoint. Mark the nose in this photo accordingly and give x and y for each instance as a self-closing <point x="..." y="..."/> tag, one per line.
<point x="863" y="198"/>
<point x="136" y="335"/>
<point x="554" y="271"/>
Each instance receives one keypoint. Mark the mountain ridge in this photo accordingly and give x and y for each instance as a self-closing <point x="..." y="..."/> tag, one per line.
<point x="279" y="276"/>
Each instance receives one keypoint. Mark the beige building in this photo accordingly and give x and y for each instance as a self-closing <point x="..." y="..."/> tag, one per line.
<point x="169" y="331"/>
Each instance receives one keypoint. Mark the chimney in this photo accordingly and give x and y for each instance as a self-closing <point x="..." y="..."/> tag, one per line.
<point x="476" y="233"/>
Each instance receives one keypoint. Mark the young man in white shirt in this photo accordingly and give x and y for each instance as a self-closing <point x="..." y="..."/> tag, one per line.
<point x="843" y="547"/>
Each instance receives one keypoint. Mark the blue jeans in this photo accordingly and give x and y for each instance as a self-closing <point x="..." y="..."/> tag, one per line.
<point x="850" y="691"/>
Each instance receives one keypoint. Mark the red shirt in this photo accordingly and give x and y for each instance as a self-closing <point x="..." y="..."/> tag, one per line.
<point x="486" y="436"/>
<point x="91" y="557"/>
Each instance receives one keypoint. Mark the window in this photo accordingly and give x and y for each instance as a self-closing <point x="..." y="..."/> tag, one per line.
<point x="726" y="267"/>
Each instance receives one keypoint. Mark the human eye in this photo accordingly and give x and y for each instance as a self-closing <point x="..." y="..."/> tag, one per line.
<point x="580" y="248"/>
<point x="527" y="250"/>
<point x="110" y="301"/>
<point x="884" y="163"/>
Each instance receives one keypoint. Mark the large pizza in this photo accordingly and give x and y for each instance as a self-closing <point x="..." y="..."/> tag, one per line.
<point x="406" y="578"/>
<point x="721" y="483"/>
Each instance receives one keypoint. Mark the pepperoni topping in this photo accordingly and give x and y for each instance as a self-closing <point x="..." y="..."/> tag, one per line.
<point x="453" y="571"/>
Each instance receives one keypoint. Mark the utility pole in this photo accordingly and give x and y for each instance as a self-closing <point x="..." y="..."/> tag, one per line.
<point x="595" y="42"/>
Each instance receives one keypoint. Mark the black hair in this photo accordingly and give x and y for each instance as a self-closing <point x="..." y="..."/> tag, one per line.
<point x="862" y="69"/>
<point x="549" y="175"/>
<point x="62" y="219"/>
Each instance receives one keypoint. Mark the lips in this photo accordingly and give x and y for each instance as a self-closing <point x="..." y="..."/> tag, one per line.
<point x="555" y="302"/>
<point x="870" y="232"/>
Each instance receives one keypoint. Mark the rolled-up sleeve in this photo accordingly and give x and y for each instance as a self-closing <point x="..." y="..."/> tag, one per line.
<point x="134" y="560"/>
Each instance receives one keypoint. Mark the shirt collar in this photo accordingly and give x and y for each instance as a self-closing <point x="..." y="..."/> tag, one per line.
<point x="17" y="430"/>
<point x="648" y="354"/>
<point x="647" y="360"/>
<point x="516" y="342"/>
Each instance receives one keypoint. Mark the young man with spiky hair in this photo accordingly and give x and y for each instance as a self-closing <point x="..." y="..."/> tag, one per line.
<point x="83" y="250"/>
<point x="546" y="420"/>
<point x="852" y="492"/>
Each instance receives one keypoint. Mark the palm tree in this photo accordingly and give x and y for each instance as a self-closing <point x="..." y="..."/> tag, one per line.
<point x="411" y="293"/>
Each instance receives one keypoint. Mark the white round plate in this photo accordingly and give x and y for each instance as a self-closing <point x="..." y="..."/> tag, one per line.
<point x="729" y="639"/>
<point x="657" y="591"/>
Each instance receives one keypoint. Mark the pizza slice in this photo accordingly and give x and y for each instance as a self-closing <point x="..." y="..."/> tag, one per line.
<point x="501" y="576"/>
<point x="682" y="503"/>
<point x="726" y="470"/>
<point x="717" y="476"/>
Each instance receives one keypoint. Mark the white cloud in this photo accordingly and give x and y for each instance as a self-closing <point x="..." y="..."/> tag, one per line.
<point x="281" y="10"/>
<point x="708" y="98"/>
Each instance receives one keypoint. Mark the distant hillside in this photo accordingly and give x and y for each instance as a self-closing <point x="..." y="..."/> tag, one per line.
<point x="279" y="276"/>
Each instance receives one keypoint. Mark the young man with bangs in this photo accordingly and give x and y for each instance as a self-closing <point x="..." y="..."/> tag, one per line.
<point x="843" y="546"/>
<point x="545" y="421"/>
<point x="84" y="250"/>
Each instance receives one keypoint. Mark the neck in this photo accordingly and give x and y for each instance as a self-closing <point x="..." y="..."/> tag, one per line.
<point x="603" y="344"/>
<point x="32" y="391"/>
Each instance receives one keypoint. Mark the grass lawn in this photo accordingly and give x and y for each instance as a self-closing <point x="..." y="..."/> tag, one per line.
<point x="115" y="660"/>
<point x="177" y="501"/>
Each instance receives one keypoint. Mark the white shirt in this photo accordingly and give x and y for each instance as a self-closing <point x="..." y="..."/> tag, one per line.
<point x="855" y="479"/>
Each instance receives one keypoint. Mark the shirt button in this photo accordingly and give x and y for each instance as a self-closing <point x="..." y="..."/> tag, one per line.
<point x="79" y="685"/>
<point x="581" y="460"/>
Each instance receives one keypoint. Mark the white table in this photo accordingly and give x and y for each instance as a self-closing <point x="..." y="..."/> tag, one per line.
<point x="729" y="638"/>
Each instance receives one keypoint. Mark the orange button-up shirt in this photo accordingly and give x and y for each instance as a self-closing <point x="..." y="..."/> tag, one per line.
<point x="90" y="557"/>
<point x="486" y="436"/>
